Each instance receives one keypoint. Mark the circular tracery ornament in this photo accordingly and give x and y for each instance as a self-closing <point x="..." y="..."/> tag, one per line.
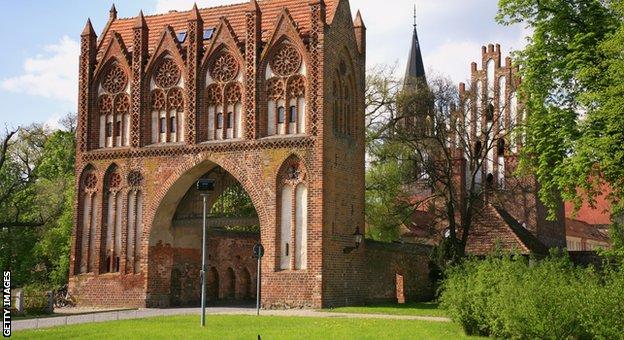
<point x="214" y="94"/>
<point x="90" y="181"/>
<point x="275" y="89"/>
<point x="114" y="181"/>
<point x="286" y="61"/>
<point x="296" y="87"/>
<point x="122" y="103"/>
<point x="176" y="99"/>
<point x="105" y="103"/>
<point x="135" y="178"/>
<point x="116" y="80"/>
<point x="158" y="100"/>
<point x="224" y="68"/>
<point x="233" y="93"/>
<point x="168" y="74"/>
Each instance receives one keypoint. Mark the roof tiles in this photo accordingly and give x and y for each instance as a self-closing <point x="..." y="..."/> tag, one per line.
<point x="235" y="14"/>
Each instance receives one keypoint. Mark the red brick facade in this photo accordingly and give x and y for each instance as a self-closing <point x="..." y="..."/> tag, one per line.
<point x="270" y="91"/>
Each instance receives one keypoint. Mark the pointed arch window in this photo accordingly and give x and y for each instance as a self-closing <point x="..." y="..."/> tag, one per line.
<point x="293" y="217"/>
<point x="112" y="222"/>
<point x="167" y="103"/>
<point x="85" y="241"/>
<point x="114" y="108"/>
<point x="224" y="93"/>
<point x="134" y="223"/>
<point x="286" y="92"/>
<point x="344" y="118"/>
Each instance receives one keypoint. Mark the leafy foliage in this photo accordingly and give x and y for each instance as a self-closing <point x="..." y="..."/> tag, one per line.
<point x="572" y="72"/>
<point x="513" y="297"/>
<point x="36" y="214"/>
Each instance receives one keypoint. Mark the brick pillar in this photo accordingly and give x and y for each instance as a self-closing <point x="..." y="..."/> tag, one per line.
<point x="88" y="51"/>
<point x="139" y="123"/>
<point x="194" y="40"/>
<point x="252" y="57"/>
<point x="317" y="27"/>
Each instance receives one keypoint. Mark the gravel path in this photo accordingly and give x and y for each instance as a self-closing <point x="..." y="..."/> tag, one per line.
<point x="93" y="315"/>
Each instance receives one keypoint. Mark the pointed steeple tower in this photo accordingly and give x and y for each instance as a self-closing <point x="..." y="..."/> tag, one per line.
<point x="415" y="66"/>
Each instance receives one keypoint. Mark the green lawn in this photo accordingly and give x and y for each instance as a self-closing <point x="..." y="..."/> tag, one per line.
<point x="411" y="308"/>
<point x="249" y="327"/>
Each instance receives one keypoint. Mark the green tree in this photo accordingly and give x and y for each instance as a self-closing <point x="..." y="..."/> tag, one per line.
<point x="572" y="84"/>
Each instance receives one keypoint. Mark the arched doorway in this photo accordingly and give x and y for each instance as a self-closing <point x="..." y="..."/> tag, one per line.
<point x="229" y="285"/>
<point x="247" y="291"/>
<point x="233" y="229"/>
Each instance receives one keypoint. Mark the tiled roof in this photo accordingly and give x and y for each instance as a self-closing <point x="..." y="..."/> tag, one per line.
<point x="580" y="229"/>
<point x="496" y="228"/>
<point x="235" y="14"/>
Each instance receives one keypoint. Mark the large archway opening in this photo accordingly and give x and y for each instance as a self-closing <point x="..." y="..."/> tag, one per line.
<point x="233" y="229"/>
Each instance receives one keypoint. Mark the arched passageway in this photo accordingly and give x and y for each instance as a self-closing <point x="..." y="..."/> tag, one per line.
<point x="233" y="229"/>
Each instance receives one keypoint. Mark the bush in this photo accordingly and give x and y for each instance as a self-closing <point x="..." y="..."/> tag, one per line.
<point x="513" y="297"/>
<point x="36" y="300"/>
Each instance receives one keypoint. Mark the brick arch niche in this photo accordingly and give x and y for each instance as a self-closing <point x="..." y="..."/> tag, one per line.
<point x="176" y="232"/>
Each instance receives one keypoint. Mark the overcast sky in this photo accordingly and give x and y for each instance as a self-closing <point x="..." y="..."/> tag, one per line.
<point x="38" y="76"/>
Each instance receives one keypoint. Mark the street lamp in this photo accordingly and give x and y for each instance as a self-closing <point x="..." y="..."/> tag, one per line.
<point x="358" y="240"/>
<point x="204" y="186"/>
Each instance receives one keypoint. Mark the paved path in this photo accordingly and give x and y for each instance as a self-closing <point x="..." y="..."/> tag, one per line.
<point x="147" y="313"/>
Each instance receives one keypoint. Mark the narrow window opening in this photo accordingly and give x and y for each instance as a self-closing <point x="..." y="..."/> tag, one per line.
<point x="109" y="129"/>
<point x="293" y="114"/>
<point x="281" y="115"/>
<point x="172" y="124"/>
<point x="163" y="125"/>
<point x="118" y="128"/>
<point x="230" y="120"/>
<point x="220" y="120"/>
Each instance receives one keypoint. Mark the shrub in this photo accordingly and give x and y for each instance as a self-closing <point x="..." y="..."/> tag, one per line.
<point x="36" y="299"/>
<point x="513" y="297"/>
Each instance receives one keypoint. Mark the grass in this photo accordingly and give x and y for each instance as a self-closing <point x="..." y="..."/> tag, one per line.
<point x="410" y="308"/>
<point x="249" y="327"/>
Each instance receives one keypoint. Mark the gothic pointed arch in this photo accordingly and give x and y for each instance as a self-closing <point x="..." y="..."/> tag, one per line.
<point x="285" y="83"/>
<point x="345" y="122"/>
<point x="292" y="209"/>
<point x="223" y="75"/>
<point x="111" y="125"/>
<point x="168" y="47"/>
<point x="117" y="51"/>
<point x="167" y="98"/>
<point x="224" y="37"/>
<point x="87" y="220"/>
<point x="111" y="225"/>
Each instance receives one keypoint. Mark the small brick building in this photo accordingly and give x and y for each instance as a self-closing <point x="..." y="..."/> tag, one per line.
<point x="269" y="93"/>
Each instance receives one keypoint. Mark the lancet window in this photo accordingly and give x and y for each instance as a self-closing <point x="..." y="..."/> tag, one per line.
<point x="167" y="103"/>
<point x="224" y="96"/>
<point x="114" y="108"/>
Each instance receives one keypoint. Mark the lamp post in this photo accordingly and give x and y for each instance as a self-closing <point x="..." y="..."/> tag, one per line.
<point x="204" y="186"/>
<point x="358" y="237"/>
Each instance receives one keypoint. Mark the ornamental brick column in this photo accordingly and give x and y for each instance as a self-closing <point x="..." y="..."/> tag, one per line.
<point x="252" y="57"/>
<point x="195" y="41"/>
<point x="139" y="123"/>
<point x="317" y="27"/>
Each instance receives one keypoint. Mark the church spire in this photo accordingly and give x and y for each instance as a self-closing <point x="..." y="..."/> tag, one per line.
<point x="415" y="65"/>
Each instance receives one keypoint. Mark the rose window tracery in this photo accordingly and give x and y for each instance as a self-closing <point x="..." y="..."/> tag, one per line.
<point x="114" y="181"/>
<point x="135" y="178"/>
<point x="233" y="93"/>
<point x="90" y="181"/>
<point x="224" y="68"/>
<point x="168" y="74"/>
<point x="296" y="87"/>
<point x="175" y="98"/>
<point x="115" y="80"/>
<point x="214" y="94"/>
<point x="158" y="100"/>
<point x="275" y="89"/>
<point x="105" y="104"/>
<point x="286" y="61"/>
<point x="122" y="103"/>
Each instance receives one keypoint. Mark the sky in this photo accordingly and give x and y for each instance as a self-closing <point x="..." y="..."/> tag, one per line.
<point x="39" y="72"/>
